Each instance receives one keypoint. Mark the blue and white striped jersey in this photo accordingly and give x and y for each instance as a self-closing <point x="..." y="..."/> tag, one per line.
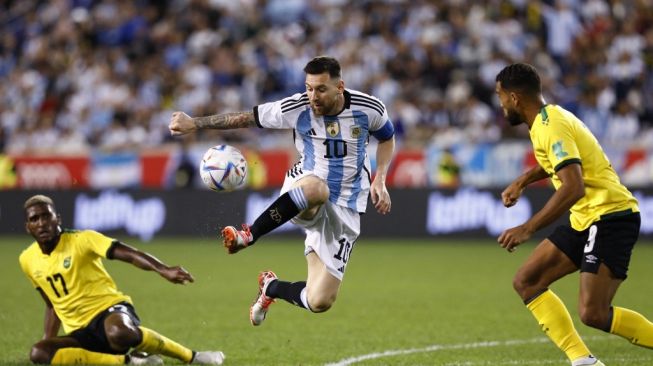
<point x="332" y="147"/>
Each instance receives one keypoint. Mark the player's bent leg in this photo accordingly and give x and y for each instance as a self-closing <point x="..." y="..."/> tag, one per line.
<point x="259" y="308"/>
<point x="121" y="332"/>
<point x="43" y="351"/>
<point x="155" y="343"/>
<point x="596" y="293"/>
<point x="305" y="196"/>
<point x="545" y="265"/>
<point x="315" y="190"/>
<point x="76" y="356"/>
<point x="632" y="326"/>
<point x="321" y="286"/>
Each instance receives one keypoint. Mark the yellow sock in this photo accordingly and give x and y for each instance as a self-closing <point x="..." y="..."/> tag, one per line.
<point x="155" y="343"/>
<point x="633" y="326"/>
<point x="69" y="356"/>
<point x="556" y="322"/>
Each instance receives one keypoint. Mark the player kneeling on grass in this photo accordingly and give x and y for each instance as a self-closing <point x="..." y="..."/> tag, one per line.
<point x="326" y="191"/>
<point x="100" y="322"/>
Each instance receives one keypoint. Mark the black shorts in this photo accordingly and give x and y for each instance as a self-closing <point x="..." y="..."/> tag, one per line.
<point x="609" y="240"/>
<point x="94" y="338"/>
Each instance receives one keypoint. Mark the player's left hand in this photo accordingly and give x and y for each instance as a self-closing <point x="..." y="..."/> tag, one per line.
<point x="380" y="197"/>
<point x="177" y="274"/>
<point x="511" y="238"/>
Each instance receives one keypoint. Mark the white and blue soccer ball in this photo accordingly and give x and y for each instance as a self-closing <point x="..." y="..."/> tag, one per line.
<point x="223" y="168"/>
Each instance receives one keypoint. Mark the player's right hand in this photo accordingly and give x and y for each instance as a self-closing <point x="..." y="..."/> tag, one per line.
<point x="181" y="124"/>
<point x="511" y="195"/>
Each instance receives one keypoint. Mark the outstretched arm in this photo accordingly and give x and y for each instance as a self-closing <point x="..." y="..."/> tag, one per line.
<point x="51" y="321"/>
<point x="378" y="190"/>
<point x="181" y="123"/>
<point x="147" y="262"/>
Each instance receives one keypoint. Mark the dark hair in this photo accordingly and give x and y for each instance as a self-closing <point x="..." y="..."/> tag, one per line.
<point x="520" y="77"/>
<point x="321" y="64"/>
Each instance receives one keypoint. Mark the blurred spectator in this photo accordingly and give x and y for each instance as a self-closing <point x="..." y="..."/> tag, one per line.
<point x="105" y="74"/>
<point x="623" y="124"/>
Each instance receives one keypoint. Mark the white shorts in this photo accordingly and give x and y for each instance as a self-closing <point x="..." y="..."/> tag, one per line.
<point x="331" y="234"/>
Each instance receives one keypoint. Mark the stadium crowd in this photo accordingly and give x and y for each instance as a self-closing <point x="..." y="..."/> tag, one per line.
<point x="83" y="74"/>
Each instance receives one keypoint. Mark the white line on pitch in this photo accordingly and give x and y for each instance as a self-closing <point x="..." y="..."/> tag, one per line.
<point x="620" y="361"/>
<point x="443" y="347"/>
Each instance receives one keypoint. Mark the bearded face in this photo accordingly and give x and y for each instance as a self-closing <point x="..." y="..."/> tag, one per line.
<point x="513" y="117"/>
<point x="508" y="105"/>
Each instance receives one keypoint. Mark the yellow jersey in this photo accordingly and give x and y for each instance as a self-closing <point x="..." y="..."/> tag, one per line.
<point x="559" y="139"/>
<point x="73" y="276"/>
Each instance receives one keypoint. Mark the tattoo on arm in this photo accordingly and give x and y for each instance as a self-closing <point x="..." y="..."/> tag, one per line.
<point x="226" y="121"/>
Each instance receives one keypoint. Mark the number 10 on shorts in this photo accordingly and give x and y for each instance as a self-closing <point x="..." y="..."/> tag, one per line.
<point x="344" y="251"/>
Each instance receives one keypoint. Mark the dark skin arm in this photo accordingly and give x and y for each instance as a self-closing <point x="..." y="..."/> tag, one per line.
<point x="571" y="190"/>
<point x="51" y="322"/>
<point x="511" y="194"/>
<point x="147" y="262"/>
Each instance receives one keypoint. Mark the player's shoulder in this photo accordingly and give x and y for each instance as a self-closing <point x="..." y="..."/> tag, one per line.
<point x="294" y="102"/>
<point x="358" y="99"/>
<point x="29" y="252"/>
<point x="552" y="116"/>
<point x="81" y="237"/>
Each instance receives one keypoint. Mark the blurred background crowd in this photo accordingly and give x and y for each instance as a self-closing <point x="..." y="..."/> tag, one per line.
<point x="83" y="75"/>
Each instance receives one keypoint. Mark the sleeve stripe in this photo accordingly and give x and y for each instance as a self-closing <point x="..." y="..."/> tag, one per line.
<point x="288" y="109"/>
<point x="567" y="162"/>
<point x="256" y="119"/>
<point x="363" y="104"/>
<point x="361" y="99"/>
<point x="288" y="102"/>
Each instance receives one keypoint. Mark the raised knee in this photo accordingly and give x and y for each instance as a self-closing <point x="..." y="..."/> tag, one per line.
<point x="521" y="284"/>
<point x="594" y="318"/>
<point x="316" y="193"/>
<point x="121" y="337"/>
<point x="40" y="354"/>
<point x="320" y="304"/>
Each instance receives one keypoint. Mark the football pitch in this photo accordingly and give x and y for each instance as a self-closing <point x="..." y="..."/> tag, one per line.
<point x="408" y="302"/>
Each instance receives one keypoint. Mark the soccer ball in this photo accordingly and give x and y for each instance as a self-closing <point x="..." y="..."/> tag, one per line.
<point x="223" y="168"/>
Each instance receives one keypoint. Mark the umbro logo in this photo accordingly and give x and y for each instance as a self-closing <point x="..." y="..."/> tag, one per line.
<point x="591" y="258"/>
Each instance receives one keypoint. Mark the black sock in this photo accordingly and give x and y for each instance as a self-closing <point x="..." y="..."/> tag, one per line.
<point x="289" y="291"/>
<point x="279" y="212"/>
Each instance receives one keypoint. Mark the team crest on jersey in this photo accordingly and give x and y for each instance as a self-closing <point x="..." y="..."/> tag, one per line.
<point x="355" y="131"/>
<point x="333" y="128"/>
<point x="66" y="263"/>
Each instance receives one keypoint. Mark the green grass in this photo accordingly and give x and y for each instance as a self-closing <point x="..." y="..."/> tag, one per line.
<point x="407" y="295"/>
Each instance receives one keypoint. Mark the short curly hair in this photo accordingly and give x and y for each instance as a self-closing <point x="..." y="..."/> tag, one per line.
<point x="38" y="199"/>
<point x="520" y="77"/>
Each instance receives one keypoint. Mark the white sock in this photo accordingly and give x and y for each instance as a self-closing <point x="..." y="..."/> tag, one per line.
<point x="302" y="296"/>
